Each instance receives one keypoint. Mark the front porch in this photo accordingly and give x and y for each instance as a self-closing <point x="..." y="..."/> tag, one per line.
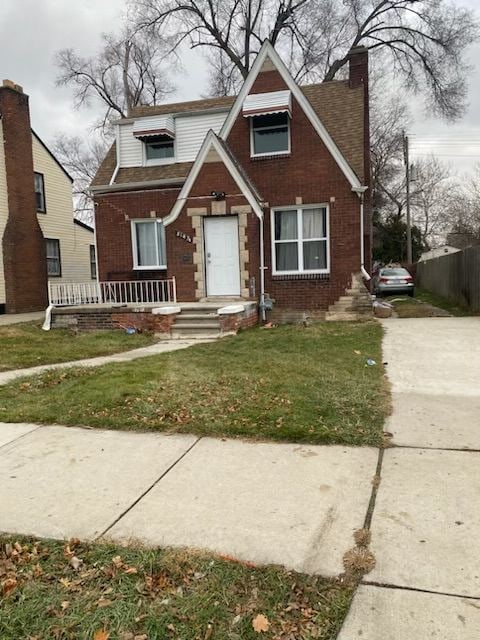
<point x="209" y="319"/>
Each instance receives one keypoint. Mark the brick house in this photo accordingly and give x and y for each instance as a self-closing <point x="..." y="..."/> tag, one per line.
<point x="256" y="197"/>
<point x="40" y="241"/>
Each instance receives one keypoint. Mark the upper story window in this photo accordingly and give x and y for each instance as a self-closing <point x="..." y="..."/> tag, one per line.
<point x="270" y="134"/>
<point x="40" y="192"/>
<point x="159" y="148"/>
<point x="269" y="115"/>
<point x="93" y="262"/>
<point x="300" y="242"/>
<point x="149" y="246"/>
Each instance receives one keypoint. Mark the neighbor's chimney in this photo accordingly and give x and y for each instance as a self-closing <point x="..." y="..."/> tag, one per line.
<point x="23" y="244"/>
<point x="358" y="77"/>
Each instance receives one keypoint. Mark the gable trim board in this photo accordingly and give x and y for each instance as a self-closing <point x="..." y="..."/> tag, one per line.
<point x="267" y="51"/>
<point x="213" y="141"/>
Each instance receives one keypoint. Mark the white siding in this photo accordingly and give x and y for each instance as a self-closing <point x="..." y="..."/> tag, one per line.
<point x="3" y="211"/>
<point x="57" y="223"/>
<point x="191" y="132"/>
<point x="130" y="147"/>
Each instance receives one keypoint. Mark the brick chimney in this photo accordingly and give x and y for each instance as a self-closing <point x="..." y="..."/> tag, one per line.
<point x="23" y="244"/>
<point x="358" y="77"/>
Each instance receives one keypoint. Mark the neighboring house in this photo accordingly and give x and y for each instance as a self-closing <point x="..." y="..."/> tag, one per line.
<point x="41" y="241"/>
<point x="264" y="194"/>
<point x="437" y="252"/>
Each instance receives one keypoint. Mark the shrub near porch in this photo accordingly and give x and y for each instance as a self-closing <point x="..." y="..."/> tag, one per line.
<point x="286" y="384"/>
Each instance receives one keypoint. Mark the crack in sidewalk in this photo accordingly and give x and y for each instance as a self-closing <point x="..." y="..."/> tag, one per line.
<point x="142" y="495"/>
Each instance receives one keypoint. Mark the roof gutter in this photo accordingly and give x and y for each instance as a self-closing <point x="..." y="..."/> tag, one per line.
<point x="360" y="191"/>
<point x="126" y="186"/>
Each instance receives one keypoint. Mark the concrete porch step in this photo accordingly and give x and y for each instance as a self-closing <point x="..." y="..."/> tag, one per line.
<point x="195" y="326"/>
<point x="195" y="335"/>
<point x="344" y="316"/>
<point x="196" y="317"/>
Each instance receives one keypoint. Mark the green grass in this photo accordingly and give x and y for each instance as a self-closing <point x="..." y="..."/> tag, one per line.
<point x="442" y="303"/>
<point x="292" y="384"/>
<point x="27" y="345"/>
<point x="125" y="593"/>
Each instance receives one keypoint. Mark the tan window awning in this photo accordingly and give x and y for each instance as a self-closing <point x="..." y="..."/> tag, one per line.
<point x="260" y="104"/>
<point x="154" y="126"/>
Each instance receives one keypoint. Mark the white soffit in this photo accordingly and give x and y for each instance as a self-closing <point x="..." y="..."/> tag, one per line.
<point x="260" y="104"/>
<point x="154" y="126"/>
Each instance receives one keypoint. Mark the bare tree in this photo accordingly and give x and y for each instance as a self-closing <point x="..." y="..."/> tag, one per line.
<point x="81" y="157"/>
<point x="425" y="39"/>
<point x="129" y="70"/>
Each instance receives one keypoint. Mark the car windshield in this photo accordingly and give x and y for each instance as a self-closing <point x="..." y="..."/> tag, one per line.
<point x="394" y="272"/>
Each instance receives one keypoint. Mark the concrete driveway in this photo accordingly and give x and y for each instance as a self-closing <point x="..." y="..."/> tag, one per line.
<point x="426" y="521"/>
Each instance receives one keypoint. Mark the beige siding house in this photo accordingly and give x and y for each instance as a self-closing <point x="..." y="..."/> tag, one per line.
<point x="69" y="243"/>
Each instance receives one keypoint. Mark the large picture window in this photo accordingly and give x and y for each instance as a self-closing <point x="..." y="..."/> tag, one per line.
<point x="270" y="134"/>
<point x="300" y="240"/>
<point x="149" y="247"/>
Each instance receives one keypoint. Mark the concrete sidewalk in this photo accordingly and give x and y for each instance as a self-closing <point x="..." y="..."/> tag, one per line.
<point x="17" y="318"/>
<point x="124" y="356"/>
<point x="267" y="503"/>
<point x="426" y="521"/>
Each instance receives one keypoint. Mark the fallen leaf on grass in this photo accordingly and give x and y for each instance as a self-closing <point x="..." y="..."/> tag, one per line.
<point x="8" y="585"/>
<point x="76" y="563"/>
<point x="260" y="623"/>
<point x="101" y="634"/>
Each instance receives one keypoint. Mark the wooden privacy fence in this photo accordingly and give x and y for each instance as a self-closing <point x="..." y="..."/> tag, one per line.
<point x="455" y="276"/>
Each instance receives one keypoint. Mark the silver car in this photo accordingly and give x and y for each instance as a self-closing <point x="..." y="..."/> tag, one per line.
<point x="392" y="280"/>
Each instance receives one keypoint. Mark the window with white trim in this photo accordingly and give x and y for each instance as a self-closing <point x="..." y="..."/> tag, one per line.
<point x="54" y="263"/>
<point x="39" y="183"/>
<point x="300" y="240"/>
<point x="93" y="263"/>
<point x="159" y="149"/>
<point x="270" y="134"/>
<point x="149" y="246"/>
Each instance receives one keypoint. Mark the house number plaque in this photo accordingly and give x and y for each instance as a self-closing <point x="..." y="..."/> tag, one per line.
<point x="184" y="236"/>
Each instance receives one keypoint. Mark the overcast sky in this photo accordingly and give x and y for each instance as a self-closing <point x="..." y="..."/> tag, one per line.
<point x="32" y="30"/>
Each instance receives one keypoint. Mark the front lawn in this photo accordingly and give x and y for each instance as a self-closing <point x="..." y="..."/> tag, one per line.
<point x="27" y="345"/>
<point x="289" y="383"/>
<point x="56" y="591"/>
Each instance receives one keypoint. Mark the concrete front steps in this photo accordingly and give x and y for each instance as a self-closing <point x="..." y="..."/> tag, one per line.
<point x="356" y="304"/>
<point x="197" y="322"/>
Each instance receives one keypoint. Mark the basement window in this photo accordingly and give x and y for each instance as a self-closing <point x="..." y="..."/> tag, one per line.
<point x="148" y="244"/>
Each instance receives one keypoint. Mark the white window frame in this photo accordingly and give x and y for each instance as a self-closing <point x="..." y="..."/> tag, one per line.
<point x="136" y="266"/>
<point x="299" y="240"/>
<point x="270" y="153"/>
<point x="155" y="162"/>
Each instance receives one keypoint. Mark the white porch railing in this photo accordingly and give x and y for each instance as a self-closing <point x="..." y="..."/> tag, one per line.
<point x="63" y="294"/>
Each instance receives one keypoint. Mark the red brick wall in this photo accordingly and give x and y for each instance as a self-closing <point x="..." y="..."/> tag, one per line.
<point x="23" y="244"/>
<point x="310" y="173"/>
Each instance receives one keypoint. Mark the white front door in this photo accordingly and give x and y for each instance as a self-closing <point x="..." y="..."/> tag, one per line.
<point x="221" y="256"/>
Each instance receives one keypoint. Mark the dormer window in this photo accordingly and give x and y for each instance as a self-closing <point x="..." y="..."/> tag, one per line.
<point x="159" y="148"/>
<point x="269" y="115"/>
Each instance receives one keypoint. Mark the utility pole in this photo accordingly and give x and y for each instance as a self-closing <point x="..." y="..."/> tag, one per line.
<point x="409" y="222"/>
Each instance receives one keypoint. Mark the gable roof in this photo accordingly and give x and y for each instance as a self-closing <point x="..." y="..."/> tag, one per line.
<point x="267" y="51"/>
<point x="52" y="155"/>
<point x="213" y="142"/>
<point x="85" y="226"/>
<point x="338" y="106"/>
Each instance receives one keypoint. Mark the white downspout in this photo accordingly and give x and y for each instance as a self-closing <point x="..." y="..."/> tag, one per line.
<point x="117" y="153"/>
<point x="262" y="271"/>
<point x="360" y="191"/>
